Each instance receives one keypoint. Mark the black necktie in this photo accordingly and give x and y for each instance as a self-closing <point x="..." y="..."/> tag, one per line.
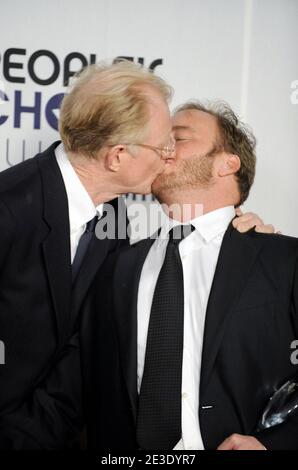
<point x="159" y="414"/>
<point x="82" y="246"/>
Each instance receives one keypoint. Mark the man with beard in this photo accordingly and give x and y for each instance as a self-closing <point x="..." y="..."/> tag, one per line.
<point x="191" y="333"/>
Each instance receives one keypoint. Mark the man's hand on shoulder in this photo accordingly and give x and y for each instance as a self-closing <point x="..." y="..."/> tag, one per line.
<point x="245" y="222"/>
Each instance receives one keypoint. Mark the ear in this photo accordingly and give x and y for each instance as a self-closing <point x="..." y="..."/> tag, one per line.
<point x="114" y="157"/>
<point x="229" y="165"/>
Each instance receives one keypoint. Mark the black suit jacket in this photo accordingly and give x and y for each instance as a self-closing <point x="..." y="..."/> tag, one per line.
<point x="251" y="321"/>
<point x="40" y="387"/>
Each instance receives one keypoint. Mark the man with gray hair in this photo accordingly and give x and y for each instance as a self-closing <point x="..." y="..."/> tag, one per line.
<point x="49" y="206"/>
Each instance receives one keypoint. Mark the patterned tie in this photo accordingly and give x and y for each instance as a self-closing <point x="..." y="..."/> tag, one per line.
<point x="159" y="415"/>
<point x="82" y="246"/>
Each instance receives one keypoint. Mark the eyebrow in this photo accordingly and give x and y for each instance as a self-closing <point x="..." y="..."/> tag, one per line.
<point x="181" y="128"/>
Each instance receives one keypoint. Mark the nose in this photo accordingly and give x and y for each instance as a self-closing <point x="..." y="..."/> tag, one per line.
<point x="170" y="152"/>
<point x="173" y="146"/>
<point x="173" y="151"/>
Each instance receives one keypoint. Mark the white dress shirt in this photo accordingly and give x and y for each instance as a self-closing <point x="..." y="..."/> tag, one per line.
<point x="199" y="253"/>
<point x="80" y="206"/>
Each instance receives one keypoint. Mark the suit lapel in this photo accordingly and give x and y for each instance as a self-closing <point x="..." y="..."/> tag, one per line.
<point x="98" y="250"/>
<point x="56" y="246"/>
<point x="126" y="282"/>
<point x="236" y="258"/>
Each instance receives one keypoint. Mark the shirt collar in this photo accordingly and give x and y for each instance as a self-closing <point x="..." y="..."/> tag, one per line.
<point x="80" y="205"/>
<point x="209" y="225"/>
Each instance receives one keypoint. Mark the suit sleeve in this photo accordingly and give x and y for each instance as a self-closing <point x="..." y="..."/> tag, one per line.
<point x="285" y="435"/>
<point x="51" y="417"/>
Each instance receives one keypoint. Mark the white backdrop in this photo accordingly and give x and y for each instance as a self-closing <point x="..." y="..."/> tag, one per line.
<point x="242" y="51"/>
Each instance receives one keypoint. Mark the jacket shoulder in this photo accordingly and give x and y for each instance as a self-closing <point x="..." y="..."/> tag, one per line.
<point x="21" y="181"/>
<point x="276" y="241"/>
<point x="278" y="250"/>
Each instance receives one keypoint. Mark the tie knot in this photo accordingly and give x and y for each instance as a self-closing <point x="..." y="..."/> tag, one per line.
<point x="90" y="226"/>
<point x="179" y="232"/>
